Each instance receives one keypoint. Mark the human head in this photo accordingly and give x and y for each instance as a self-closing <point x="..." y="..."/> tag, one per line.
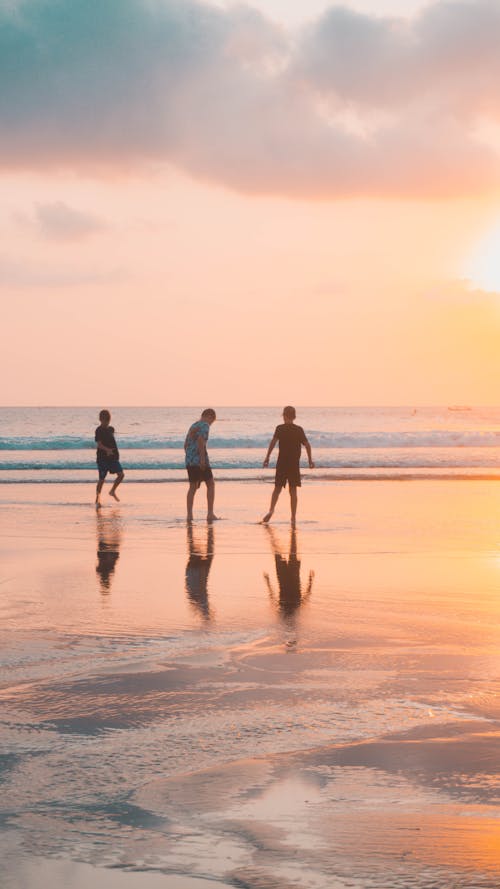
<point x="289" y="412"/>
<point x="105" y="417"/>
<point x="209" y="415"/>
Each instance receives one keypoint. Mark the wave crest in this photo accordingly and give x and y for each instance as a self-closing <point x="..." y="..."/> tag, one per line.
<point x="442" y="438"/>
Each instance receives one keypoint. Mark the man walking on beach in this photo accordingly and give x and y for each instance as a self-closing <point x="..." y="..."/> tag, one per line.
<point x="290" y="438"/>
<point x="197" y="463"/>
<point x="108" y="457"/>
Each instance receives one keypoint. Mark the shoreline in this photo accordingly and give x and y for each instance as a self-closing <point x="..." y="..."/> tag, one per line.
<point x="334" y="476"/>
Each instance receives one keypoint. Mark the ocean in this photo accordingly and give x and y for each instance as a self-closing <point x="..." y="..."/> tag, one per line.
<point x="55" y="444"/>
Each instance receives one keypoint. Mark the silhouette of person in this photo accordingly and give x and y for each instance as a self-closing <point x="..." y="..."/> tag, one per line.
<point x="197" y="570"/>
<point x="290" y="595"/>
<point x="290" y="438"/>
<point x="108" y="547"/>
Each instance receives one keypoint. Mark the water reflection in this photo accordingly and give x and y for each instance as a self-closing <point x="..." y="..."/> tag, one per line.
<point x="109" y="533"/>
<point x="200" y="557"/>
<point x="289" y="595"/>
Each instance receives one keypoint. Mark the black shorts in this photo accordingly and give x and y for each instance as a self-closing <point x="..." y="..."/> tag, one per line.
<point x="197" y="475"/>
<point x="290" y="474"/>
<point x="108" y="465"/>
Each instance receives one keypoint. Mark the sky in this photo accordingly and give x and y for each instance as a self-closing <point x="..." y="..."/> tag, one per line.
<point x="262" y="203"/>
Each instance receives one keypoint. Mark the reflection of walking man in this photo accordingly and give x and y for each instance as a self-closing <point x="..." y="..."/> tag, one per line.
<point x="290" y="596"/>
<point x="197" y="570"/>
<point x="108" y="548"/>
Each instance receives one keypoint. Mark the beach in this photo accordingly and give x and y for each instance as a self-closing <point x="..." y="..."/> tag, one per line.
<point x="236" y="705"/>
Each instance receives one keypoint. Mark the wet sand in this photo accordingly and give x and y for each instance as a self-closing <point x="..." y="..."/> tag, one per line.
<point x="245" y="706"/>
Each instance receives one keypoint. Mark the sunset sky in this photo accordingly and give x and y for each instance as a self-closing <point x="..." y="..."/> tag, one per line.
<point x="250" y="204"/>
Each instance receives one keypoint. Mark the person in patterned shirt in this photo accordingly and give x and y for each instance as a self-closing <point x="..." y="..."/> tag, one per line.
<point x="198" y="464"/>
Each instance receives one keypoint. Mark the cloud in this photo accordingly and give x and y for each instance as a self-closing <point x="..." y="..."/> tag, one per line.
<point x="446" y="58"/>
<point x="352" y="104"/>
<point x="60" y="222"/>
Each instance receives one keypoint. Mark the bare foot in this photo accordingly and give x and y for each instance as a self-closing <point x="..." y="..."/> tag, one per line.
<point x="98" y="504"/>
<point x="115" y="495"/>
<point x="213" y="518"/>
<point x="266" y="518"/>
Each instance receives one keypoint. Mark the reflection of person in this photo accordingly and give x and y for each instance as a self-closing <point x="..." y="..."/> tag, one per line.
<point x="108" y="457"/>
<point x="290" y="438"/>
<point x="108" y="548"/>
<point x="198" y="464"/>
<point x="290" y="596"/>
<point x="197" y="570"/>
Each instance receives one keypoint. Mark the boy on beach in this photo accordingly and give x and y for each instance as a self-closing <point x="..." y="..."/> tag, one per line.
<point x="198" y="464"/>
<point x="108" y="457"/>
<point x="290" y="438"/>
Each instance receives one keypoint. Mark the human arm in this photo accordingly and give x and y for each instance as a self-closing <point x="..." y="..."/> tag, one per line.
<point x="270" y="449"/>
<point x="202" y="451"/>
<point x="102" y="447"/>
<point x="309" y="453"/>
<point x="309" y="586"/>
<point x="269" y="587"/>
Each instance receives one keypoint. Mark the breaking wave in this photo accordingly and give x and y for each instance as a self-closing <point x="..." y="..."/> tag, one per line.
<point x="442" y="438"/>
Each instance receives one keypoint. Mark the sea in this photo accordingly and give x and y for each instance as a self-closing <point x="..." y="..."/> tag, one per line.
<point x="56" y="444"/>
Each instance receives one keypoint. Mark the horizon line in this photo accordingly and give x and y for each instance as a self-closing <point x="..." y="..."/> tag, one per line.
<point x="415" y="405"/>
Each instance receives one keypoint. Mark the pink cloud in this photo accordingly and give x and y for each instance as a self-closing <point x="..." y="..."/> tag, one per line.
<point x="228" y="96"/>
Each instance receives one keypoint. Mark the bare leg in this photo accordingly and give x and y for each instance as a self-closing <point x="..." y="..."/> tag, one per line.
<point x="98" y="492"/>
<point x="293" y="502"/>
<point x="118" y="481"/>
<point x="274" y="500"/>
<point x="193" y="487"/>
<point x="211" y="517"/>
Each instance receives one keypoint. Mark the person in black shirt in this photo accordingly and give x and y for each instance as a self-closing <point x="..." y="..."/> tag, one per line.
<point x="290" y="438"/>
<point x="108" y="457"/>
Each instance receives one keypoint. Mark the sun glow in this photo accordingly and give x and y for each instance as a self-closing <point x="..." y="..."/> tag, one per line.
<point x="483" y="265"/>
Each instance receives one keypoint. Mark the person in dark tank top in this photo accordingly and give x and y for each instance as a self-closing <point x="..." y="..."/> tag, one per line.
<point x="290" y="438"/>
<point x="107" y="456"/>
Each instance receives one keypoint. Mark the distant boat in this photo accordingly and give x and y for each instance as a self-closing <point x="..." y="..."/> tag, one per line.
<point x="459" y="407"/>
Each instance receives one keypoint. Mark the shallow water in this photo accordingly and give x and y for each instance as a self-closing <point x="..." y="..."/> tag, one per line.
<point x="249" y="705"/>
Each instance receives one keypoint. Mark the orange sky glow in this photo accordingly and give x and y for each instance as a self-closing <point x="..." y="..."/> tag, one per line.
<point x="283" y="225"/>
